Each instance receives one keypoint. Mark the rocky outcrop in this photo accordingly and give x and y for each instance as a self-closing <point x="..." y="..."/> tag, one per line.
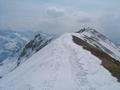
<point x="40" y="40"/>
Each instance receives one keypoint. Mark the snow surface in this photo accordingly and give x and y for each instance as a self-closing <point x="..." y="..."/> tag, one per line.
<point x="61" y="65"/>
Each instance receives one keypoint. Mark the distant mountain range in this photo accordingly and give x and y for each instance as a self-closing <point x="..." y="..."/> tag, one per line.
<point x="15" y="45"/>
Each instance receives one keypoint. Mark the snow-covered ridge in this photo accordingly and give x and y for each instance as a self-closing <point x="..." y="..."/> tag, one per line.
<point x="61" y="65"/>
<point x="100" y="41"/>
<point x="12" y="45"/>
<point x="38" y="42"/>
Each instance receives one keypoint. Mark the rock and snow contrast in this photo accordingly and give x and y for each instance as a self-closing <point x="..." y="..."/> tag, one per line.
<point x="40" y="40"/>
<point x="16" y="46"/>
<point x="100" y="41"/>
<point x="74" y="61"/>
<point x="118" y="45"/>
<point x="11" y="43"/>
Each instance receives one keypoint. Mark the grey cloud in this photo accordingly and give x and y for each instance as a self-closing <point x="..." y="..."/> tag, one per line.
<point x="110" y="25"/>
<point x="84" y="20"/>
<point x="49" y="18"/>
<point x="54" y="12"/>
<point x="55" y="18"/>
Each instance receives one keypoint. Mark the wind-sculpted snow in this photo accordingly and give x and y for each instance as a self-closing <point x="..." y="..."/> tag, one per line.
<point x="61" y="65"/>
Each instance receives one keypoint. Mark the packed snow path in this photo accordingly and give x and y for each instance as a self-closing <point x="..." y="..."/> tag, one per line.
<point x="62" y="65"/>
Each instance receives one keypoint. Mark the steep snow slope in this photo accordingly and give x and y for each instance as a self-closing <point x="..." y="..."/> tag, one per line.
<point x="100" y="41"/>
<point x="61" y="65"/>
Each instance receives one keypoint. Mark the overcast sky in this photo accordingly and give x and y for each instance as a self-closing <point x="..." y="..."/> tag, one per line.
<point x="59" y="16"/>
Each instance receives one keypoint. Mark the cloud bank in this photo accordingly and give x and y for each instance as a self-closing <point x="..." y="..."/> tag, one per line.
<point x="61" y="16"/>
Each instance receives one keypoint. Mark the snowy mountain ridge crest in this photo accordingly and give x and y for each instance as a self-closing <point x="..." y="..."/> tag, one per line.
<point x="74" y="61"/>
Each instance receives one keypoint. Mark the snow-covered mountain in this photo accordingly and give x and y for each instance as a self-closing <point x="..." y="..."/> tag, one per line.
<point x="118" y="45"/>
<point x="100" y="41"/>
<point x="14" y="44"/>
<point x="74" y="61"/>
<point x="11" y="43"/>
<point x="40" y="40"/>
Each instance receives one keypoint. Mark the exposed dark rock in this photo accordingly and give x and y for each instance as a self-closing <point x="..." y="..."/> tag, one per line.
<point x="33" y="46"/>
<point x="111" y="64"/>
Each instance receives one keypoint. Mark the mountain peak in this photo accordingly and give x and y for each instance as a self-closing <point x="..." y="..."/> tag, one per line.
<point x="99" y="40"/>
<point x="92" y="32"/>
<point x="40" y="40"/>
<point x="88" y="29"/>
